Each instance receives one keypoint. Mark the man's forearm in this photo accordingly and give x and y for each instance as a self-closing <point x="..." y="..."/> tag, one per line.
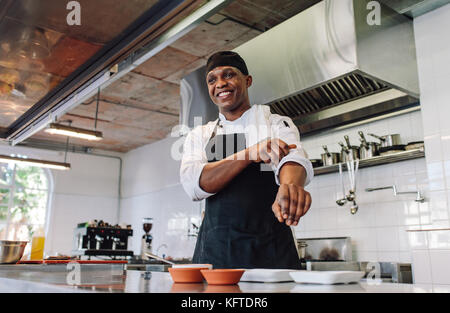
<point x="292" y="201"/>
<point x="293" y="173"/>
<point x="216" y="175"/>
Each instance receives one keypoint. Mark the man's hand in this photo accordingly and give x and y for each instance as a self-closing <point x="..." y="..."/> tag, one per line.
<point x="291" y="203"/>
<point x="269" y="151"/>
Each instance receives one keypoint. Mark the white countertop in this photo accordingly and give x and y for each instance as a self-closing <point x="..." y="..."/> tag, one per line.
<point x="160" y="282"/>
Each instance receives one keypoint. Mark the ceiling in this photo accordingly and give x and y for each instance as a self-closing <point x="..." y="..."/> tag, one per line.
<point x="143" y="106"/>
<point x="38" y="49"/>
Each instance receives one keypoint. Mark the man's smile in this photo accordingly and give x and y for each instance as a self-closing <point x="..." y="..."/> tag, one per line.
<point x="225" y="94"/>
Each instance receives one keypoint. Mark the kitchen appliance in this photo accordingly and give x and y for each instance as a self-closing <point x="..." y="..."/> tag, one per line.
<point x="367" y="149"/>
<point x="11" y="251"/>
<point x="390" y="271"/>
<point x="387" y="271"/>
<point x="327" y="249"/>
<point x="329" y="158"/>
<point x="326" y="67"/>
<point x="101" y="240"/>
<point x="147" y="238"/>
<point x="332" y="266"/>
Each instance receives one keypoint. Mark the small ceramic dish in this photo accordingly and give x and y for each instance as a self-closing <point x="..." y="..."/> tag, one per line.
<point x="222" y="276"/>
<point x="187" y="275"/>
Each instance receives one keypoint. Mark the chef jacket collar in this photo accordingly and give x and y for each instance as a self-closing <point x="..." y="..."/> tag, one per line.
<point x="223" y="119"/>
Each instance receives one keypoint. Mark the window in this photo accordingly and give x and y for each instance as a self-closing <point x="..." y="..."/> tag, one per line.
<point x="24" y="196"/>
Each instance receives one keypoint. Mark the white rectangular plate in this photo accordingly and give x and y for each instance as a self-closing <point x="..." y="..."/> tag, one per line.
<point x="326" y="277"/>
<point x="267" y="275"/>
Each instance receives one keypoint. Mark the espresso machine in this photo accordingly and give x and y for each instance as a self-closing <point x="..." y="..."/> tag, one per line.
<point x="147" y="238"/>
<point x="102" y="239"/>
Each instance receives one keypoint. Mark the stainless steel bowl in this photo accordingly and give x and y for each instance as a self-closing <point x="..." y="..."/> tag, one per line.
<point x="11" y="251"/>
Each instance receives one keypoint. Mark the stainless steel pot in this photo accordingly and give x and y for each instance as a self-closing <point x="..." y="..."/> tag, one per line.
<point x="349" y="152"/>
<point x="367" y="150"/>
<point x="11" y="251"/>
<point x="329" y="158"/>
<point x="388" y="140"/>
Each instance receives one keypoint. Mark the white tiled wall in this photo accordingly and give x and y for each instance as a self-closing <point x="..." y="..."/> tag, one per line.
<point x="152" y="189"/>
<point x="378" y="229"/>
<point x="431" y="249"/>
<point x="172" y="213"/>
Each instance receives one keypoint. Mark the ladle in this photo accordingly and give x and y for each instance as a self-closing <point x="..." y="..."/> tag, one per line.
<point x="341" y="201"/>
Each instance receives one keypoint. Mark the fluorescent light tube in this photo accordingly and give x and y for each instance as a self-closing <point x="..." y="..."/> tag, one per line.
<point x="35" y="162"/>
<point x="58" y="129"/>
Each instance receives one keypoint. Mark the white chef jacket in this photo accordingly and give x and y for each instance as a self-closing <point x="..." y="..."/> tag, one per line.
<point x="258" y="124"/>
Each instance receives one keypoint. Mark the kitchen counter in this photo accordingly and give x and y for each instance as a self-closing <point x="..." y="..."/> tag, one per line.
<point x="160" y="282"/>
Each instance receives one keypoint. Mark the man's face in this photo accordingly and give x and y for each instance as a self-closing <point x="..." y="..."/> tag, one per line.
<point x="227" y="87"/>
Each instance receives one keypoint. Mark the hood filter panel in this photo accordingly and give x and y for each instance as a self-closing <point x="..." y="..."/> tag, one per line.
<point x="336" y="92"/>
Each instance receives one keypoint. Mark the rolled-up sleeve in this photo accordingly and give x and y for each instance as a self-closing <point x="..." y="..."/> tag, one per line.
<point x="192" y="164"/>
<point x="284" y="129"/>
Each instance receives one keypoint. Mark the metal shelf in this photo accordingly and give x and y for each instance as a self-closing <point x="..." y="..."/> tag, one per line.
<point x="378" y="160"/>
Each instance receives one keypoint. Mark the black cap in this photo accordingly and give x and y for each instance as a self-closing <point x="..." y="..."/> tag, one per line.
<point x="226" y="58"/>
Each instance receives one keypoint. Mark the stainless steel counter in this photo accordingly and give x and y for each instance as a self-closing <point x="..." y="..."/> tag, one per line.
<point x="16" y="280"/>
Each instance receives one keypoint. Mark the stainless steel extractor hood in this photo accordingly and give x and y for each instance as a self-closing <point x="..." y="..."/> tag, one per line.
<point x="328" y="66"/>
<point x="415" y="8"/>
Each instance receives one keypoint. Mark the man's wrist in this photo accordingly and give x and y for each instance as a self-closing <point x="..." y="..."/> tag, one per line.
<point x="292" y="173"/>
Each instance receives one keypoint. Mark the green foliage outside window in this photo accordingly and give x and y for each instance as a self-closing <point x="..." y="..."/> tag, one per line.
<point x="27" y="186"/>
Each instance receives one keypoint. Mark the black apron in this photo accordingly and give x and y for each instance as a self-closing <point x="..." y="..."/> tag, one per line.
<point x="239" y="229"/>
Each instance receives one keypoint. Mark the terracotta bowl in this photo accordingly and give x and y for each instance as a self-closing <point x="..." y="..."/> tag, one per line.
<point x="186" y="275"/>
<point x="222" y="276"/>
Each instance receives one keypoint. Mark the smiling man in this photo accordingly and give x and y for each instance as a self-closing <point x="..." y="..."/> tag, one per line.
<point x="249" y="210"/>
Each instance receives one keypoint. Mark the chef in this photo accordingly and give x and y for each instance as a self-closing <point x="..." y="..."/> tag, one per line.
<point x="250" y="167"/>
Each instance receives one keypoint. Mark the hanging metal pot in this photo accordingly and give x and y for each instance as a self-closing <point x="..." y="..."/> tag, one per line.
<point x="349" y="152"/>
<point x="388" y="140"/>
<point x="329" y="158"/>
<point x="367" y="150"/>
